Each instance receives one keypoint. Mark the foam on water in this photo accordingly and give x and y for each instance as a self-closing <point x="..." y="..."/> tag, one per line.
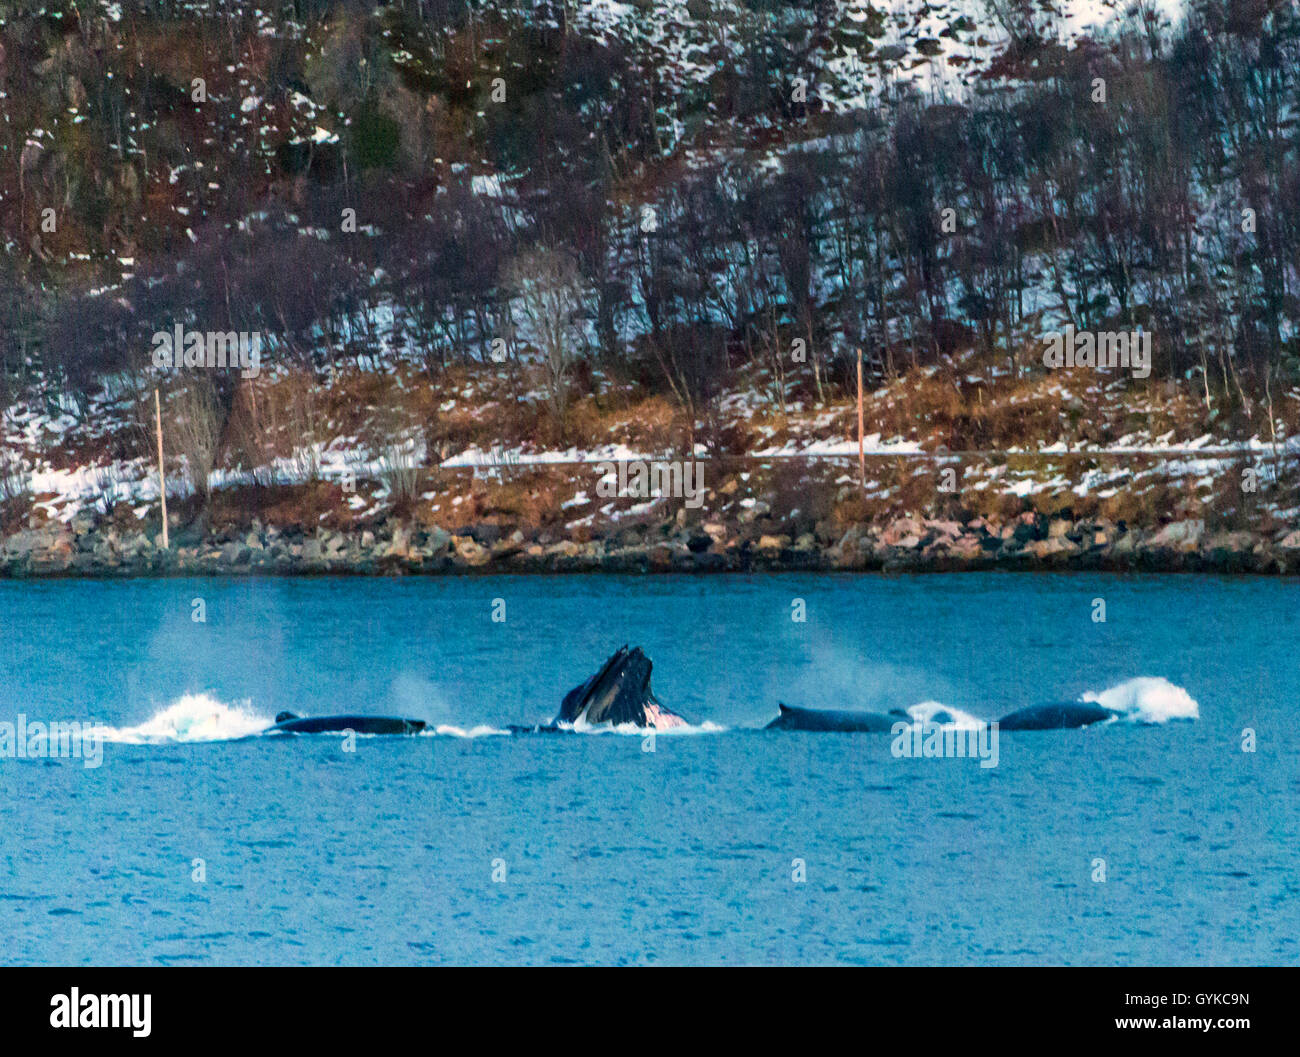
<point x="935" y="712"/>
<point x="1144" y="700"/>
<point x="631" y="729"/>
<point x="193" y="717"/>
<point x="204" y="718"/>
<point x="1147" y="699"/>
<point x="481" y="730"/>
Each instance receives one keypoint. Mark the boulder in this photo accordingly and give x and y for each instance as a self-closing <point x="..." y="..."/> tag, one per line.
<point x="1181" y="536"/>
<point x="470" y="550"/>
<point x="902" y="529"/>
<point x="437" y="540"/>
<point x="400" y="546"/>
<point x="235" y="554"/>
<point x="699" y="542"/>
<point x="944" y="528"/>
<point x="1053" y="548"/>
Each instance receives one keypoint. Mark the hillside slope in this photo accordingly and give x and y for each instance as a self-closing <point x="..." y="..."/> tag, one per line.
<point x="483" y="250"/>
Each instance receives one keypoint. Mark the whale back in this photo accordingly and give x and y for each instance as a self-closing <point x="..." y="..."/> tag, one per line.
<point x="793" y="718"/>
<point x="358" y="724"/>
<point x="1056" y="716"/>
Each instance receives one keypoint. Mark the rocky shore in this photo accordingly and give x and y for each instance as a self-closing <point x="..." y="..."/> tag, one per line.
<point x="100" y="547"/>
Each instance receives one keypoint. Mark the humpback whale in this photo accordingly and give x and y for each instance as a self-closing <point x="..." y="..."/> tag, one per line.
<point x="1036" y="717"/>
<point x="288" y="723"/>
<point x="792" y="718"/>
<point x="1056" y="717"/>
<point x="618" y="693"/>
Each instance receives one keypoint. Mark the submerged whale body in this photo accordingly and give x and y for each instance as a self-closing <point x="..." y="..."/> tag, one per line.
<point x="1036" y="717"/>
<point x="792" y="718"/>
<point x="619" y="693"/>
<point x="288" y="723"/>
<point x="1069" y="715"/>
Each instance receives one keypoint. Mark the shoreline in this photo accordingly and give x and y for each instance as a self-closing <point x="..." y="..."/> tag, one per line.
<point x="99" y="549"/>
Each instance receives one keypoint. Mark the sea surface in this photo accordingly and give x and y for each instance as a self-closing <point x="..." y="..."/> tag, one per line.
<point x="1154" y="839"/>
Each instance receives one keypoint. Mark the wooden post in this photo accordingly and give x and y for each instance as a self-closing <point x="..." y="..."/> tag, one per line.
<point x="162" y="476"/>
<point x="862" y="459"/>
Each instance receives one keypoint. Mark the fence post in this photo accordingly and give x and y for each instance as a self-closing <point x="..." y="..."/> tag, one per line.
<point x="862" y="459"/>
<point x="162" y="476"/>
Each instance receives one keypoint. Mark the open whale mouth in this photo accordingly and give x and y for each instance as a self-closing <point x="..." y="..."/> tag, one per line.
<point x="619" y="694"/>
<point x="661" y="719"/>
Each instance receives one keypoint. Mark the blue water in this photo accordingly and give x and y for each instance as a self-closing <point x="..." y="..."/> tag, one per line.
<point x="604" y="852"/>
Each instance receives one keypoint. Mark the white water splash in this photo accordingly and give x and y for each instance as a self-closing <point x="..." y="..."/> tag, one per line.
<point x="934" y="712"/>
<point x="482" y="730"/>
<point x="1144" y="700"/>
<point x="194" y="717"/>
<point x="632" y="730"/>
<point x="1147" y="699"/>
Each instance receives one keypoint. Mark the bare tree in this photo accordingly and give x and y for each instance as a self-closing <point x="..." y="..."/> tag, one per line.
<point x="196" y="430"/>
<point x="15" y="484"/>
<point x="550" y="296"/>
